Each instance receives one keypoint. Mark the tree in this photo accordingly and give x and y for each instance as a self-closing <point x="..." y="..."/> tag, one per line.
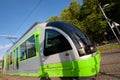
<point x="72" y="13"/>
<point x="112" y="10"/>
<point x="54" y="18"/>
<point x="92" y="19"/>
<point x="87" y="17"/>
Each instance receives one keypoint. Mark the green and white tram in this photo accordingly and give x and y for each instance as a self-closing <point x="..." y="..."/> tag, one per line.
<point x="54" y="49"/>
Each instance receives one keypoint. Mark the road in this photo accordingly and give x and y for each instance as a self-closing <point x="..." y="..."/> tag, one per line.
<point x="110" y="65"/>
<point x="110" y="69"/>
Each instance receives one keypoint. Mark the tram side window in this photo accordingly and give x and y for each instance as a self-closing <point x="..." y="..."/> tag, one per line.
<point x="23" y="52"/>
<point x="27" y="49"/>
<point x="55" y="43"/>
<point x="31" y="47"/>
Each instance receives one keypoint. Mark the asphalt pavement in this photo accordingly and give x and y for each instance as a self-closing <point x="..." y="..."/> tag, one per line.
<point x="110" y="65"/>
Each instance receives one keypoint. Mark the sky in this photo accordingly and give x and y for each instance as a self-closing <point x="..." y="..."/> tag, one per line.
<point x="17" y="16"/>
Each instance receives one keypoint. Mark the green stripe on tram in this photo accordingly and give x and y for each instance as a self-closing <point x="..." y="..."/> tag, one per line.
<point x="84" y="68"/>
<point x="78" y="68"/>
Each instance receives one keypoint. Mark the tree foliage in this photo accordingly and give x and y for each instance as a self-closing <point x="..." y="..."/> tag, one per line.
<point x="93" y="20"/>
<point x="54" y="18"/>
<point x="89" y="17"/>
<point x="112" y="10"/>
<point x="71" y="14"/>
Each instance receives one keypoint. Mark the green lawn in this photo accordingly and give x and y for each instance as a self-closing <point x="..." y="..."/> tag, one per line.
<point x="108" y="47"/>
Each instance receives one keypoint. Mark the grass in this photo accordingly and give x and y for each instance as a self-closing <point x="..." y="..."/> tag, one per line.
<point x="108" y="47"/>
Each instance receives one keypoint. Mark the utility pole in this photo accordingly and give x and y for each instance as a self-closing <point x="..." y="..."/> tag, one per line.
<point x="11" y="38"/>
<point x="114" y="24"/>
<point x="108" y="23"/>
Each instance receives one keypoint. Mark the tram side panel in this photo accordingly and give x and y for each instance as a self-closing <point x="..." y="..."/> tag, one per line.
<point x="29" y="65"/>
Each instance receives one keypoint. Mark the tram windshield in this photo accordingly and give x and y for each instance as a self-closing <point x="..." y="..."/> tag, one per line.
<point x="72" y="31"/>
<point x="78" y="37"/>
<point x="81" y="36"/>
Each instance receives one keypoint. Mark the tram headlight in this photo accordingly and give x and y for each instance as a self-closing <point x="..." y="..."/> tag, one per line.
<point x="82" y="51"/>
<point x="90" y="49"/>
<point x="93" y="49"/>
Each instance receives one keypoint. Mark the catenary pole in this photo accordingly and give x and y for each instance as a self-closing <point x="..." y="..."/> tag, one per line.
<point x="108" y="22"/>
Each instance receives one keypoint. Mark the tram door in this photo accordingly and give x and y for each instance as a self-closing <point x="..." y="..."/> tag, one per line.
<point x="16" y="64"/>
<point x="16" y="59"/>
<point x="57" y="47"/>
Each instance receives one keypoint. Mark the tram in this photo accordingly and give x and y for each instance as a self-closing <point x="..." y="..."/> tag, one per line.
<point x="53" y="49"/>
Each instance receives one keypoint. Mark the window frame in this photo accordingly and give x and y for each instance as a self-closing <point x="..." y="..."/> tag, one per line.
<point x="27" y="58"/>
<point x="11" y="57"/>
<point x="63" y="34"/>
<point x="17" y="51"/>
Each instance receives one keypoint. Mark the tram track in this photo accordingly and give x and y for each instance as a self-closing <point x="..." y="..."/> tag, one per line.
<point x="110" y="63"/>
<point x="113" y="73"/>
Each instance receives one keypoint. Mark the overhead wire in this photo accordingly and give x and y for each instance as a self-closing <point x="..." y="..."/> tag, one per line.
<point x="28" y="16"/>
